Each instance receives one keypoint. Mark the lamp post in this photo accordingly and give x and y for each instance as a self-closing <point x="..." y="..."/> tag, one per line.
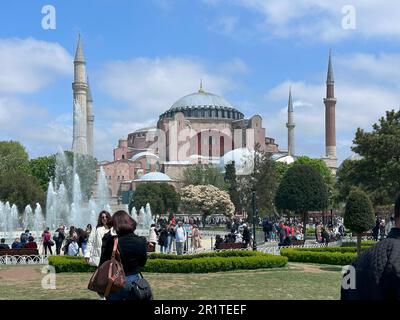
<point x="254" y="221"/>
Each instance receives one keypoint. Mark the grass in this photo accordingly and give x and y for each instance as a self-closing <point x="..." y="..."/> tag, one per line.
<point x="298" y="281"/>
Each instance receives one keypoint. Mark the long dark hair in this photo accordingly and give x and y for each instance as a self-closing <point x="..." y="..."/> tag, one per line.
<point x="109" y="221"/>
<point x="123" y="223"/>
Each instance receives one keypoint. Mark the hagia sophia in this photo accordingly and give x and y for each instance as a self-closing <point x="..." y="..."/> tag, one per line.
<point x="201" y="127"/>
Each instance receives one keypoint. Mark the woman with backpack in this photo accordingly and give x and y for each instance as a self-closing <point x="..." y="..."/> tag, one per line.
<point x="132" y="252"/>
<point x="93" y="248"/>
<point x="47" y="242"/>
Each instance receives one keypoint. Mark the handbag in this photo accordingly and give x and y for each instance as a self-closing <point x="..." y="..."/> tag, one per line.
<point x="141" y="289"/>
<point x="110" y="276"/>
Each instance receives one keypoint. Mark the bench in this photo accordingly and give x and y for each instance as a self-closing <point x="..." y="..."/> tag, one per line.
<point x="19" y="252"/>
<point x="232" y="245"/>
<point x="298" y="242"/>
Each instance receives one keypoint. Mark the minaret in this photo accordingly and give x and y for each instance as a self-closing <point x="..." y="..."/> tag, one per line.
<point x="290" y="125"/>
<point x="330" y="128"/>
<point x="79" y="87"/>
<point x="90" y="120"/>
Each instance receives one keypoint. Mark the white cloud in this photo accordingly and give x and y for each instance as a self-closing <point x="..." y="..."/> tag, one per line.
<point x="321" y="19"/>
<point x="28" y="65"/>
<point x="149" y="87"/>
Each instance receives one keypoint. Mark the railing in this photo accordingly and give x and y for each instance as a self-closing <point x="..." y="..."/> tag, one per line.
<point x="31" y="259"/>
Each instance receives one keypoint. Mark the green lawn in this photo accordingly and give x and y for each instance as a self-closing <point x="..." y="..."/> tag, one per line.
<point x="295" y="282"/>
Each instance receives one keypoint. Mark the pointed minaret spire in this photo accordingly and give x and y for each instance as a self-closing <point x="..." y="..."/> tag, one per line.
<point x="79" y="56"/>
<point x="330" y="119"/>
<point x="290" y="103"/>
<point x="201" y="86"/>
<point x="329" y="78"/>
<point x="290" y="125"/>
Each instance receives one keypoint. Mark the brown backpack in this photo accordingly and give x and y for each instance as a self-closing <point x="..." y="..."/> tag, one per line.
<point x="110" y="276"/>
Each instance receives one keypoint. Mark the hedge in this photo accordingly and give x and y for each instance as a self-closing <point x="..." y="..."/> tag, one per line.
<point x="319" y="256"/>
<point x="221" y="261"/>
<point x="366" y="243"/>
<point x="215" y="264"/>
<point x="331" y="249"/>
<point x="225" y="253"/>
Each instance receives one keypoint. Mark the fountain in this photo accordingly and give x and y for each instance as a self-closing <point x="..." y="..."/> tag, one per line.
<point x="65" y="205"/>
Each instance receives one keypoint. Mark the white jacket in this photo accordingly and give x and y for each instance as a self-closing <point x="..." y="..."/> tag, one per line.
<point x="93" y="249"/>
<point x="152" y="235"/>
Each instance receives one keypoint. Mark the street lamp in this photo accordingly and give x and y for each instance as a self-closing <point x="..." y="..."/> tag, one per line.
<point x="254" y="221"/>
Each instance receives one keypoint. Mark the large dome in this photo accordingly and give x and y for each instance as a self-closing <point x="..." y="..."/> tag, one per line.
<point x="203" y="104"/>
<point x="200" y="99"/>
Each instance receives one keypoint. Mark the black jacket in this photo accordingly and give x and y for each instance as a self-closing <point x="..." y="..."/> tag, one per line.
<point x="133" y="250"/>
<point x="377" y="271"/>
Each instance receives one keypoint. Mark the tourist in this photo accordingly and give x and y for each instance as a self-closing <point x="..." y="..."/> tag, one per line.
<point x="3" y="244"/>
<point x="31" y="243"/>
<point x="377" y="275"/>
<point x="163" y="239"/>
<point x="93" y="248"/>
<point x="132" y="248"/>
<point x="47" y="243"/>
<point x="73" y="246"/>
<point x="16" y="244"/>
<point x="375" y="229"/>
<point x="171" y="236"/>
<point x="25" y="236"/>
<point x="59" y="237"/>
<point x="246" y="235"/>
<point x="153" y="236"/>
<point x="72" y="234"/>
<point x="196" y="236"/>
<point x="382" y="229"/>
<point x="84" y="237"/>
<point x="180" y="237"/>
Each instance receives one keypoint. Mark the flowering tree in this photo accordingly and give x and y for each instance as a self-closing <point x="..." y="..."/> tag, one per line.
<point x="207" y="200"/>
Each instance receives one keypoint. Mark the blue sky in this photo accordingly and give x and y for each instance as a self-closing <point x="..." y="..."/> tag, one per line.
<point x="142" y="56"/>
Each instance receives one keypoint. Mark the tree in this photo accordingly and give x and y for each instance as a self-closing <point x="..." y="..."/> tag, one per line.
<point x="162" y="197"/>
<point x="206" y="200"/>
<point x="359" y="214"/>
<point x="20" y="189"/>
<point x="171" y="198"/>
<point x="320" y="165"/>
<point x="263" y="180"/>
<point x="302" y="189"/>
<point x="43" y="168"/>
<point x="13" y="157"/>
<point x="148" y="193"/>
<point x="377" y="171"/>
<point x="200" y="174"/>
<point x="231" y="182"/>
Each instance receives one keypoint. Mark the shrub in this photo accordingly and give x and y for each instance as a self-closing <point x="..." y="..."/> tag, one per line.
<point x="214" y="264"/>
<point x="366" y="243"/>
<point x="163" y="263"/>
<point x="323" y="257"/>
<point x="70" y="264"/>
<point x="225" y="253"/>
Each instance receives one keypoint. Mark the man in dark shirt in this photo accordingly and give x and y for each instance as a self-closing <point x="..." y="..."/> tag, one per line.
<point x="3" y="245"/>
<point x="377" y="269"/>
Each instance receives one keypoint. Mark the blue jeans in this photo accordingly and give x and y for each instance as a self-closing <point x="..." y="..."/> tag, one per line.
<point x="170" y="241"/>
<point x="84" y="245"/>
<point x="163" y="249"/>
<point x="124" y="294"/>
